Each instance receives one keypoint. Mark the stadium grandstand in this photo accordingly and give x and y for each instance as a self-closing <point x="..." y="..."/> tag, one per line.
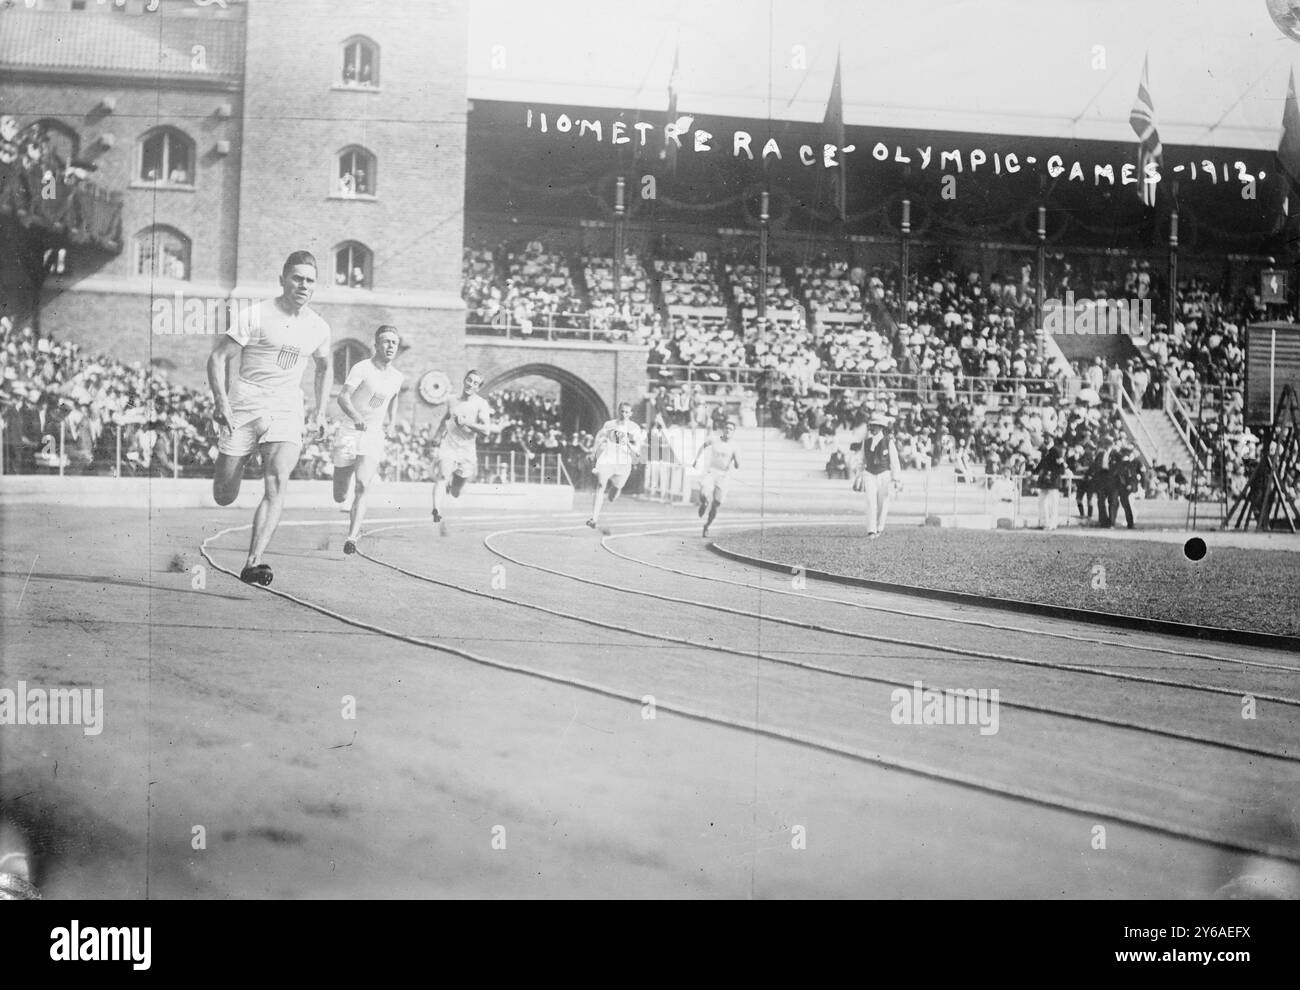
<point x="686" y="377"/>
<point x="912" y="277"/>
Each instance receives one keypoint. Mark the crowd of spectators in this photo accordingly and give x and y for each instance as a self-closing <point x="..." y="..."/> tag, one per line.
<point x="479" y="285"/>
<point x="831" y="286"/>
<point x="710" y="343"/>
<point x="743" y="282"/>
<point x="49" y="384"/>
<point x="689" y="282"/>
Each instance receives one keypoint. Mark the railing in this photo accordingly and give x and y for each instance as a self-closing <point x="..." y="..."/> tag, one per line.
<point x="85" y="211"/>
<point x="517" y="468"/>
<point x="667" y="470"/>
<point x="1185" y="427"/>
<point x="50" y="455"/>
<point x="1126" y="406"/>
<point x="584" y="327"/>
<point x="1038" y="390"/>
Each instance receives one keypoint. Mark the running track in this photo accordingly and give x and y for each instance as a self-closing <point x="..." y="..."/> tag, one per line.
<point x="501" y="746"/>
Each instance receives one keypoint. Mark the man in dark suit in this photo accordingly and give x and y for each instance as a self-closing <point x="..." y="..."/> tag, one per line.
<point x="1103" y="478"/>
<point x="1125" y="478"/>
<point x="1050" y="470"/>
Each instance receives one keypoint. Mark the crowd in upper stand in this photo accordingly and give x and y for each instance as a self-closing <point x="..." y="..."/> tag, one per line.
<point x="974" y="382"/>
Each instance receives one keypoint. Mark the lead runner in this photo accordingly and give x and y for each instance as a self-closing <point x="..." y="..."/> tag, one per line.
<point x="264" y="410"/>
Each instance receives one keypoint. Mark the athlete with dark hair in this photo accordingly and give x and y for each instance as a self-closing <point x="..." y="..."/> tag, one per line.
<point x="713" y="485"/>
<point x="264" y="409"/>
<point x="456" y="459"/>
<point x="368" y="400"/>
<point x="618" y="447"/>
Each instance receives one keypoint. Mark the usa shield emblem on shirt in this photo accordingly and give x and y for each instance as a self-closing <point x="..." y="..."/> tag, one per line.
<point x="288" y="357"/>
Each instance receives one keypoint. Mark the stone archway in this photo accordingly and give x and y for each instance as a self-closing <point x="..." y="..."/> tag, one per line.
<point x="577" y="398"/>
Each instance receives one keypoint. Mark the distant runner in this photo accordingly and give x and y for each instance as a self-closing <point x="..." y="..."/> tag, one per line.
<point x="713" y="484"/>
<point x="368" y="399"/>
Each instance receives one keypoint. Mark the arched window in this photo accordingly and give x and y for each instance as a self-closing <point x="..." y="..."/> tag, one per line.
<point x="356" y="172"/>
<point x="167" y="158"/>
<point x="360" y="62"/>
<point x="352" y="266"/>
<point x="162" y="252"/>
<point x="346" y="354"/>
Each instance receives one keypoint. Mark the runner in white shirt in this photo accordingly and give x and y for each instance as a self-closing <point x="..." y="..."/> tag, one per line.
<point x="713" y="484"/>
<point x="456" y="458"/>
<point x="264" y="410"/>
<point x="618" y="448"/>
<point x="369" y="400"/>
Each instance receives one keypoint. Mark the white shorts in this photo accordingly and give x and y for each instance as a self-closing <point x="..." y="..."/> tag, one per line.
<point x="714" y="486"/>
<point x="351" y="444"/>
<point x="448" y="461"/>
<point x="252" y="427"/>
<point x="617" y="473"/>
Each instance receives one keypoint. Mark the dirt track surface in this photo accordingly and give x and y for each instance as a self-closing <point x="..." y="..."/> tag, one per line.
<point x="224" y="710"/>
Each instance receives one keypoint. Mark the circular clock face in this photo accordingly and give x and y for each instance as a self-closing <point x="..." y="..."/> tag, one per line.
<point x="435" y="387"/>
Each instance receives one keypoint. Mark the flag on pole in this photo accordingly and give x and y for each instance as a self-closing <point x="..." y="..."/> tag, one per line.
<point x="1288" y="147"/>
<point x="1143" y="119"/>
<point x="833" y="133"/>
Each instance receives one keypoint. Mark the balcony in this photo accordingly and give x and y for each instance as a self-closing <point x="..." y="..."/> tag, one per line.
<point x="47" y="198"/>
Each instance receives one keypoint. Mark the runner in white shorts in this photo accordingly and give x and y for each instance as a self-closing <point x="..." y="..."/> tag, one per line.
<point x="456" y="457"/>
<point x="264" y="410"/>
<point x="713" y="484"/>
<point x="368" y="400"/>
<point x="618" y="448"/>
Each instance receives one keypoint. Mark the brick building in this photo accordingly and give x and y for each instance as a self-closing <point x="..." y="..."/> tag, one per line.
<point x="236" y="131"/>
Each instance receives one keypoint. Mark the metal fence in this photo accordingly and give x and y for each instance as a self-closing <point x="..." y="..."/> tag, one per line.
<point x="584" y="327"/>
<point x="116" y="454"/>
<point x="914" y="387"/>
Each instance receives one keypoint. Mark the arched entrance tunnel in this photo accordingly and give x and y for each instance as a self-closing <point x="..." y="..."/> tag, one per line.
<point x="580" y="407"/>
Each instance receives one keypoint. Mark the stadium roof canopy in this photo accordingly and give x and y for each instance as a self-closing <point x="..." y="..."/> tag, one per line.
<point x="1045" y="68"/>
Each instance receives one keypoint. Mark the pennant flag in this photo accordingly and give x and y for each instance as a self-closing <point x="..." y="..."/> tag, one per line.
<point x="833" y="131"/>
<point x="1288" y="147"/>
<point x="1143" y="119"/>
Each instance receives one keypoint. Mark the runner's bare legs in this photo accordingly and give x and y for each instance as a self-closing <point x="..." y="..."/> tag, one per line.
<point x="279" y="460"/>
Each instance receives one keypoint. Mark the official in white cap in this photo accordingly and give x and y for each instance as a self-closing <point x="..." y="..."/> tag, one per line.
<point x="880" y="471"/>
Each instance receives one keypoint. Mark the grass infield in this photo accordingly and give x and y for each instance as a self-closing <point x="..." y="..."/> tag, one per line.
<point x="1257" y="590"/>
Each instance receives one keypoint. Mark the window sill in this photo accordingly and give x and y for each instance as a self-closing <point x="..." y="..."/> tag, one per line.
<point x="342" y="88"/>
<point x="162" y="281"/>
<point x="357" y="198"/>
<point x="162" y="186"/>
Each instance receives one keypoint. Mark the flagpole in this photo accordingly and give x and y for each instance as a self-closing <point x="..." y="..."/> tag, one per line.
<point x="762" y="257"/>
<point x="1042" y="269"/>
<point x="905" y="246"/>
<point x="618" y="243"/>
<point x="1173" y="257"/>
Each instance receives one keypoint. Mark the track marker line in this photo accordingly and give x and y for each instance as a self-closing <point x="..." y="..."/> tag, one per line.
<point x="907" y="766"/>
<point x="924" y="615"/>
<point x="892" y="640"/>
